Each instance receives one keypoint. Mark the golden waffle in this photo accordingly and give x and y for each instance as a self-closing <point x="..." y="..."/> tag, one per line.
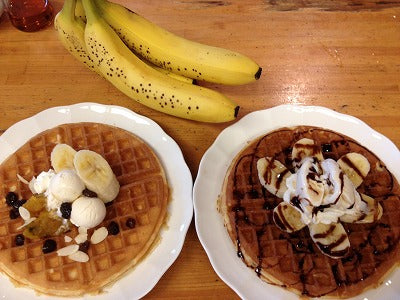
<point x="293" y="260"/>
<point x="143" y="196"/>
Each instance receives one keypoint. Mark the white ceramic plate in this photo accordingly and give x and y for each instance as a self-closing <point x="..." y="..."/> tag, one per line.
<point x="145" y="275"/>
<point x="215" y="163"/>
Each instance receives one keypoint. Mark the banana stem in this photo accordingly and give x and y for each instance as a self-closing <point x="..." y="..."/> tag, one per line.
<point x="68" y="9"/>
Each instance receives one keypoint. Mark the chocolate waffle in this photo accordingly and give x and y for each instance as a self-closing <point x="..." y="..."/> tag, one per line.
<point x="139" y="210"/>
<point x="292" y="260"/>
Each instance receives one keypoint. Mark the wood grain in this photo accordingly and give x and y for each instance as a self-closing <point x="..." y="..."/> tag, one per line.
<point x="328" y="5"/>
<point x="344" y="59"/>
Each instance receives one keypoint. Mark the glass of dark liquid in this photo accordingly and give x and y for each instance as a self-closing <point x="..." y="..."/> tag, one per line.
<point x="29" y="15"/>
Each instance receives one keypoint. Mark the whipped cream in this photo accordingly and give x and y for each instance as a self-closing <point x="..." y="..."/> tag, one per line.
<point x="40" y="184"/>
<point x="321" y="192"/>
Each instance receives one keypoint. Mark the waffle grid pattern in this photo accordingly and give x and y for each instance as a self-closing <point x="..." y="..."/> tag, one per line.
<point x="143" y="196"/>
<point x="294" y="260"/>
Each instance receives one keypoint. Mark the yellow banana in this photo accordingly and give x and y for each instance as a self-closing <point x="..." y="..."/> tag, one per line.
<point x="173" y="75"/>
<point x="71" y="31"/>
<point x="80" y="14"/>
<point x="139" y="81"/>
<point x="176" y="54"/>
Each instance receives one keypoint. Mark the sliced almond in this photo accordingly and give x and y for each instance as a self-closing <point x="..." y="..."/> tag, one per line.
<point x="68" y="250"/>
<point x="82" y="229"/>
<point x="24" y="213"/>
<point x="79" y="256"/>
<point x="22" y="179"/>
<point x="99" y="235"/>
<point x="67" y="239"/>
<point x="81" y="238"/>
<point x="30" y="220"/>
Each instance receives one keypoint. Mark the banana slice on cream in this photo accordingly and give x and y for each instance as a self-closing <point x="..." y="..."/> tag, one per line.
<point x="305" y="148"/>
<point x="355" y="166"/>
<point x="97" y="174"/>
<point x="369" y="210"/>
<point x="272" y="175"/>
<point x="62" y="157"/>
<point x="331" y="239"/>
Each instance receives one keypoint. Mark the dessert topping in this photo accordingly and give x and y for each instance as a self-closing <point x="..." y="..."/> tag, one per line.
<point x="113" y="228"/>
<point x="99" y="235"/>
<point x="49" y="246"/>
<point x="76" y="192"/>
<point x="319" y="194"/>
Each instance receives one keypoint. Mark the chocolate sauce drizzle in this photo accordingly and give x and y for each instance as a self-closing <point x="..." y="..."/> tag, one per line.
<point x="299" y="244"/>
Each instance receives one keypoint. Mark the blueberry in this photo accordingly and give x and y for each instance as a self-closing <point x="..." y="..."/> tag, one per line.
<point x="19" y="240"/>
<point x="18" y="203"/>
<point x="65" y="210"/>
<point x="113" y="228"/>
<point x="326" y="148"/>
<point x="49" y="246"/>
<point x="89" y="193"/>
<point x="14" y="213"/>
<point x="11" y="198"/>
<point x="131" y="223"/>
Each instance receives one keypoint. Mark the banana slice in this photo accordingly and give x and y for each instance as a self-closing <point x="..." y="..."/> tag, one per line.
<point x="97" y="174"/>
<point x="272" y="175"/>
<point x="375" y="210"/>
<point x="331" y="239"/>
<point x="62" y="157"/>
<point x="367" y="210"/>
<point x="287" y="218"/>
<point x="305" y="148"/>
<point x="356" y="166"/>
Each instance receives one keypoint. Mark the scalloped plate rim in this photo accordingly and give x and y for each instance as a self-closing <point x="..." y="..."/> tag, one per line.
<point x="223" y="265"/>
<point x="154" y="264"/>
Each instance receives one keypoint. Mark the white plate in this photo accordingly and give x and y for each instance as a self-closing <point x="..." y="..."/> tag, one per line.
<point x="215" y="162"/>
<point x="145" y="275"/>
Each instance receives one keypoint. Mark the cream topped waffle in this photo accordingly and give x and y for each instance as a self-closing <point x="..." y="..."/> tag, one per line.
<point x="266" y="216"/>
<point x="133" y="220"/>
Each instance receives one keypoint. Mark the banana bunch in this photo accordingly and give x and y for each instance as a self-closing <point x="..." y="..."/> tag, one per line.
<point x="160" y="71"/>
<point x="179" y="55"/>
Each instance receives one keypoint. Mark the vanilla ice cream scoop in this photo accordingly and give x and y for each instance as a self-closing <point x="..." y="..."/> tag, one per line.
<point x="87" y="212"/>
<point x="66" y="186"/>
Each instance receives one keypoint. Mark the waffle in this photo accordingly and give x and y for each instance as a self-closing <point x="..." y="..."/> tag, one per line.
<point x="293" y="260"/>
<point x="143" y="196"/>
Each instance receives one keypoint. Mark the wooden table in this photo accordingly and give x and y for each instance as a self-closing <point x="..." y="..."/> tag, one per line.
<point x="342" y="56"/>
